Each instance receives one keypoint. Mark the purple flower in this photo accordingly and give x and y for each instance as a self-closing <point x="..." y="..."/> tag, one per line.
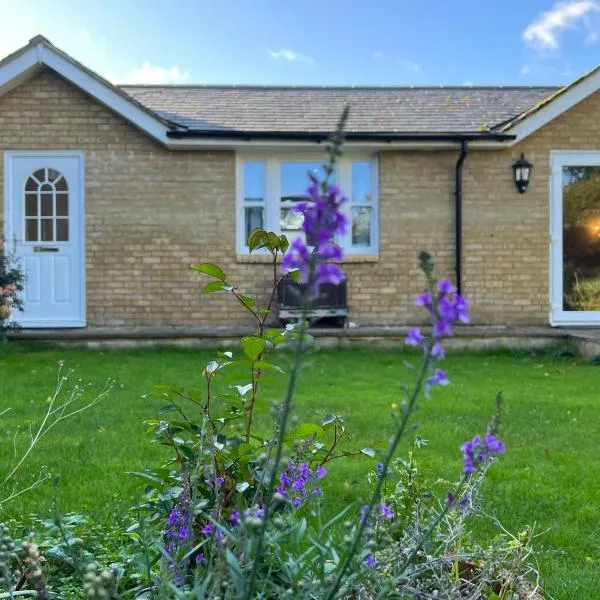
<point x="299" y="484"/>
<point x="297" y="501"/>
<point x="370" y="561"/>
<point x="438" y="378"/>
<point x="320" y="472"/>
<point x="437" y="351"/>
<point x="317" y="491"/>
<point x="450" y="500"/>
<point x="476" y="452"/>
<point x="363" y="513"/>
<point x="445" y="287"/>
<point x="379" y="469"/>
<point x="414" y="338"/>
<point x="207" y="529"/>
<point x="285" y="480"/>
<point x="323" y="221"/>
<point x="234" y="518"/>
<point x="462" y="308"/>
<point x="200" y="560"/>
<point x="386" y="511"/>
<point x="441" y="329"/>
<point x="425" y="300"/>
<point x="304" y="471"/>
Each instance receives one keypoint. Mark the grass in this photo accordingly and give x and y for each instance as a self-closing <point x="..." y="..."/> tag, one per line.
<point x="549" y="475"/>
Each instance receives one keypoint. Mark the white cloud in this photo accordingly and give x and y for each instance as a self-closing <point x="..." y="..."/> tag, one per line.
<point x="287" y="55"/>
<point x="377" y="55"/>
<point x="409" y="65"/>
<point x="153" y="74"/>
<point x="543" y="33"/>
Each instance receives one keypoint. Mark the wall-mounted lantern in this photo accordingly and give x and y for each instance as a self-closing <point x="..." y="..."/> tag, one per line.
<point x="522" y="171"/>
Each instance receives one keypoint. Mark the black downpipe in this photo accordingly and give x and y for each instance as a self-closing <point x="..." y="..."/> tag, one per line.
<point x="464" y="148"/>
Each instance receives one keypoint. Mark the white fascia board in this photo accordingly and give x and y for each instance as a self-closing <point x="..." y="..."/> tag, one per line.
<point x="25" y="65"/>
<point x="555" y="108"/>
<point x="104" y="94"/>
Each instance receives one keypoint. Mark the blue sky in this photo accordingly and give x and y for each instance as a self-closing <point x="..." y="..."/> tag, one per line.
<point x="367" y="42"/>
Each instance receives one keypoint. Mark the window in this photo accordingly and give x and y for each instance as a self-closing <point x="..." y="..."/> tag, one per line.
<point x="269" y="187"/>
<point x="46" y="207"/>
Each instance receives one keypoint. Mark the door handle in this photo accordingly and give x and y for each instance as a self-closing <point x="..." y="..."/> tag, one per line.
<point x="45" y="249"/>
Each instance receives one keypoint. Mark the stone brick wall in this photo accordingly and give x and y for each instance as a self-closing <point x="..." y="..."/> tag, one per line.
<point x="152" y="212"/>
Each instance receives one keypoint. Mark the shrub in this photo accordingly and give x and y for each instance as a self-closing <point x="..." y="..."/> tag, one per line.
<point x="11" y="286"/>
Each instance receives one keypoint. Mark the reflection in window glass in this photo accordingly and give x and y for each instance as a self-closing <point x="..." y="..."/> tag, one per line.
<point x="254" y="181"/>
<point x="361" y="226"/>
<point x="361" y="182"/>
<point x="581" y="238"/>
<point x="294" y="181"/>
<point x="254" y="218"/>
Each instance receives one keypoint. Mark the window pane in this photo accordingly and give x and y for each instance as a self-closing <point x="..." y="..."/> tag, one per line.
<point x="290" y="219"/>
<point x="47" y="230"/>
<point x="61" y="184"/>
<point x="31" y="185"/>
<point x="52" y="174"/>
<point x="31" y="205"/>
<point x="47" y="204"/>
<point x="254" y="218"/>
<point x="62" y="205"/>
<point x="361" y="182"/>
<point x="62" y="230"/>
<point x="294" y="179"/>
<point x="254" y="181"/>
<point x="581" y="238"/>
<point x="31" y="230"/>
<point x="40" y="175"/>
<point x="361" y="226"/>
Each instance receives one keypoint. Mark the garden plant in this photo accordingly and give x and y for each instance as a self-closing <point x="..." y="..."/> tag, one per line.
<point x="237" y="513"/>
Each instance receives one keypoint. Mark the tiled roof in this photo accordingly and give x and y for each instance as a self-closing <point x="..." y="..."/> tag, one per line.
<point x="316" y="109"/>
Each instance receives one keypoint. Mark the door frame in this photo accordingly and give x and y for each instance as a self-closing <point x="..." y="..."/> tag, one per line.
<point x="558" y="160"/>
<point x="9" y="155"/>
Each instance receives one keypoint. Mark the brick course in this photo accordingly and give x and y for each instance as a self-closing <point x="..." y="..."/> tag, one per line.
<point x="151" y="212"/>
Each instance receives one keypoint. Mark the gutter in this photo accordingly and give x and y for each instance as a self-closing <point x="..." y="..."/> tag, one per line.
<point x="320" y="137"/>
<point x="464" y="148"/>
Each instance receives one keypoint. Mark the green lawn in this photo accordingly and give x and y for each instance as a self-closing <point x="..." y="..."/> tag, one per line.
<point x="549" y="475"/>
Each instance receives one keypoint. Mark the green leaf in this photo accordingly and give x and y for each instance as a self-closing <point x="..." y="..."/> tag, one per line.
<point x="248" y="301"/>
<point x="369" y="452"/>
<point x="294" y="275"/>
<point x="283" y="243"/>
<point x="328" y="419"/>
<point x="257" y="239"/>
<point x="217" y="286"/>
<point x="167" y="409"/>
<point x="253" y="346"/>
<point x="265" y="366"/>
<point x="242" y="486"/>
<point x="210" y="270"/>
<point x="304" y="430"/>
<point x="236" y="572"/>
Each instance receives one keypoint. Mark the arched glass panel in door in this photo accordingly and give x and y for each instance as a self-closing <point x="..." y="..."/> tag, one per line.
<point x="46" y="207"/>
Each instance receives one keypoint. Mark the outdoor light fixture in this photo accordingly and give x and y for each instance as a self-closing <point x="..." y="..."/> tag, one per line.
<point x="522" y="170"/>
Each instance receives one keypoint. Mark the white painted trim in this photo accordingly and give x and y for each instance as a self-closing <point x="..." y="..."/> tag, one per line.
<point x="558" y="160"/>
<point x="27" y="63"/>
<point x="8" y="226"/>
<point x="569" y="98"/>
<point x="272" y="160"/>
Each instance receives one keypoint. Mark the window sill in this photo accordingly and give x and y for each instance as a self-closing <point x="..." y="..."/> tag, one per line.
<point x="268" y="259"/>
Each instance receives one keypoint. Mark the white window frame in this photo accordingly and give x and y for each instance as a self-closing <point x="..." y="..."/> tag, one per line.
<point x="558" y="160"/>
<point x="272" y="203"/>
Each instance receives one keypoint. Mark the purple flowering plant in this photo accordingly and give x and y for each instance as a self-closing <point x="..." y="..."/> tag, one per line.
<point x="248" y="494"/>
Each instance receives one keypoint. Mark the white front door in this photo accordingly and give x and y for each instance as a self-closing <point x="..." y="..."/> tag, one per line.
<point x="44" y="210"/>
<point x="575" y="237"/>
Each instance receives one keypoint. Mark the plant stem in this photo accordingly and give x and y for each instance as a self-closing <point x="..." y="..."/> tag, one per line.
<point x="381" y="478"/>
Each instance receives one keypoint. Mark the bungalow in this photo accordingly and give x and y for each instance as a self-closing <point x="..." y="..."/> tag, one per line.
<point x="111" y="192"/>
